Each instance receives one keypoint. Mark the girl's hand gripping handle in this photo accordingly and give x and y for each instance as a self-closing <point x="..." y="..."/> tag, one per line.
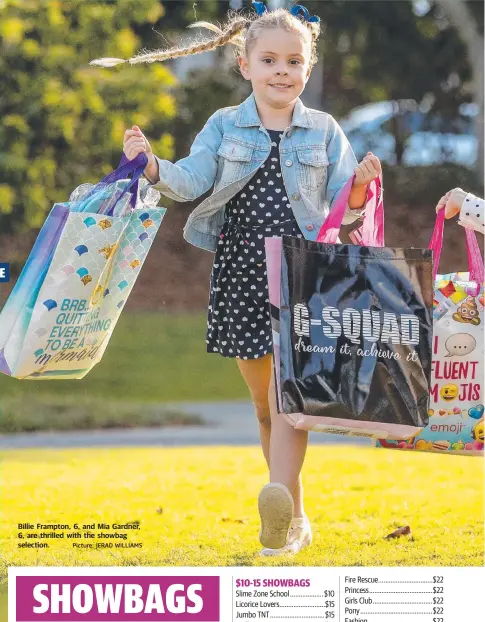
<point x="134" y="143"/>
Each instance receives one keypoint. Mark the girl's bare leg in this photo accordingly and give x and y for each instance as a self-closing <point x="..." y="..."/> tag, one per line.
<point x="287" y="453"/>
<point x="258" y="376"/>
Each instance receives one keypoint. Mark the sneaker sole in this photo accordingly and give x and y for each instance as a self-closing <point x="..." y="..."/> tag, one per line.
<point x="275" y="505"/>
<point x="267" y="552"/>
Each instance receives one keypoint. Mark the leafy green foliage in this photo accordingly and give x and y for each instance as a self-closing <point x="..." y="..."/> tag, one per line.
<point x="62" y="120"/>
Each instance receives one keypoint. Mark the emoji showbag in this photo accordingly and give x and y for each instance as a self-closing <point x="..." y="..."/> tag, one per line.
<point x="352" y="328"/>
<point x="58" y="320"/>
<point x="456" y="423"/>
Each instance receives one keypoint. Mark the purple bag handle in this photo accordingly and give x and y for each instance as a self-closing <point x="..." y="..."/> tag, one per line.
<point x="475" y="259"/>
<point x="126" y="168"/>
<point x="372" y="230"/>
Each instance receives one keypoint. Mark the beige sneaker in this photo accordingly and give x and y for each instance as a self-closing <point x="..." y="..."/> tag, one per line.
<point x="299" y="537"/>
<point x="275" y="505"/>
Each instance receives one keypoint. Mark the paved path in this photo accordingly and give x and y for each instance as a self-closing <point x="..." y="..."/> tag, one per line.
<point x="228" y="423"/>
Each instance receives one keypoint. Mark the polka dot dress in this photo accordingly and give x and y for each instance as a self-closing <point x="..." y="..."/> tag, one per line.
<point x="238" y="319"/>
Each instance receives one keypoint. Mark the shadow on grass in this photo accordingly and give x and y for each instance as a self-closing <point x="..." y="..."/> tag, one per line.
<point x="30" y="413"/>
<point x="242" y="560"/>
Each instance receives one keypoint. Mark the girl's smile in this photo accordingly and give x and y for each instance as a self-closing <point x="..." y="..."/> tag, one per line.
<point x="278" y="66"/>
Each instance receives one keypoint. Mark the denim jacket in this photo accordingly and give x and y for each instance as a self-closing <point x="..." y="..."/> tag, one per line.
<point x="316" y="161"/>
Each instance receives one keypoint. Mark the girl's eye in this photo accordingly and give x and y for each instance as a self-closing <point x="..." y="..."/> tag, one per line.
<point x="295" y="62"/>
<point x="267" y="60"/>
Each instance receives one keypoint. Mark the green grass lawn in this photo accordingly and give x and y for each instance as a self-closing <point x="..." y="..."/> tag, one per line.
<point x="152" y="357"/>
<point x="197" y="506"/>
<point x="3" y="602"/>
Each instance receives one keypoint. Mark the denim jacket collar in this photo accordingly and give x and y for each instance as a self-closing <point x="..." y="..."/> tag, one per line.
<point x="248" y="114"/>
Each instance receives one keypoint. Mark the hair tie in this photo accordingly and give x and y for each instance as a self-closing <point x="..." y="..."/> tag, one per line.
<point x="300" y="11"/>
<point x="297" y="10"/>
<point x="259" y="7"/>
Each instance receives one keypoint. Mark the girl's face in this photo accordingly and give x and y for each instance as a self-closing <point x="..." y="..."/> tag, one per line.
<point x="278" y="66"/>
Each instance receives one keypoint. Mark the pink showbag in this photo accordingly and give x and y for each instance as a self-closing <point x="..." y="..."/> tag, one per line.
<point x="456" y="422"/>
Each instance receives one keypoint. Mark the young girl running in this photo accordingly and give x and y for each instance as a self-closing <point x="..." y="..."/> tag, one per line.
<point x="276" y="168"/>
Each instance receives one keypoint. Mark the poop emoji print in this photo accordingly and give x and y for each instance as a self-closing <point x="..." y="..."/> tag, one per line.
<point x="456" y="400"/>
<point x="467" y="312"/>
<point x="456" y="409"/>
<point x="458" y="343"/>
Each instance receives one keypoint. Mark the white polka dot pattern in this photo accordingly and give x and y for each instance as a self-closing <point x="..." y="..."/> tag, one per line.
<point x="238" y="318"/>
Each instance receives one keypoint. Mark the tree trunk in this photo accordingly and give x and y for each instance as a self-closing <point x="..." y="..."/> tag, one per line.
<point x="459" y="15"/>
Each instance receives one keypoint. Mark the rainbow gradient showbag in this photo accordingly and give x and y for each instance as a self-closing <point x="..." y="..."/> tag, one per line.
<point x="59" y="318"/>
<point x="456" y="421"/>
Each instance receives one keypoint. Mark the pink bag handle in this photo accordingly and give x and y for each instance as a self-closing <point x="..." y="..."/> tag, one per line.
<point x="475" y="259"/>
<point x="372" y="230"/>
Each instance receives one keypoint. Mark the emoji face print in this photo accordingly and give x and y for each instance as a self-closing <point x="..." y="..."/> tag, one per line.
<point x="449" y="392"/>
<point x="478" y="432"/>
<point x="467" y="312"/>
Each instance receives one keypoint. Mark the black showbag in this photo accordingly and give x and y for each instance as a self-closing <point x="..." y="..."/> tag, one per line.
<point x="355" y="330"/>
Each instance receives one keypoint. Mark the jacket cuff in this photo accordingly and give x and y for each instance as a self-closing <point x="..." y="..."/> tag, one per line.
<point x="162" y="186"/>
<point x="153" y="183"/>
<point x="351" y="215"/>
